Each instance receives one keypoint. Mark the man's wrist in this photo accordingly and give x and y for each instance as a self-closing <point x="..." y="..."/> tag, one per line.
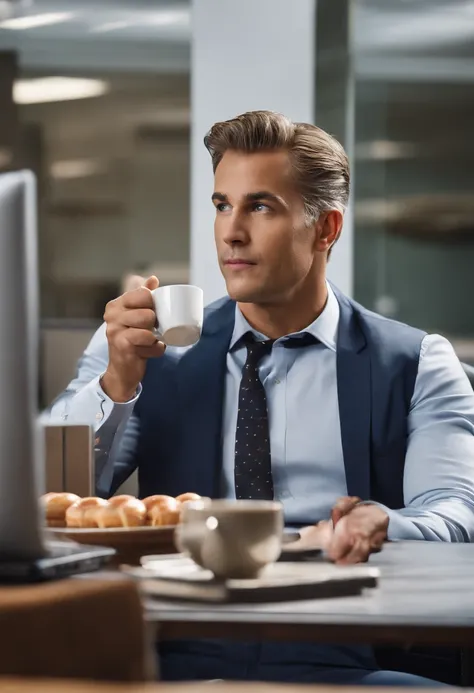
<point x="379" y="513"/>
<point x="118" y="391"/>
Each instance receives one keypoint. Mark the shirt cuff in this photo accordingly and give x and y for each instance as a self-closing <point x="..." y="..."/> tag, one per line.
<point x="91" y="406"/>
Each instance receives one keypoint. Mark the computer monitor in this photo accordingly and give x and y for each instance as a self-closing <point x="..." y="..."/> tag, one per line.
<point x="25" y="553"/>
<point x="21" y="463"/>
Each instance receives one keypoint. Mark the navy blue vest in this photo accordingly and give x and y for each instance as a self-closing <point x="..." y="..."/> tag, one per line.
<point x="180" y="409"/>
<point x="180" y="449"/>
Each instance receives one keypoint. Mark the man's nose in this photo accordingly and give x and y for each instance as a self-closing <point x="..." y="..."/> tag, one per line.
<point x="236" y="229"/>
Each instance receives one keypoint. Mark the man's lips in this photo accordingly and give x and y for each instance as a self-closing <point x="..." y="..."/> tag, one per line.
<point x="237" y="262"/>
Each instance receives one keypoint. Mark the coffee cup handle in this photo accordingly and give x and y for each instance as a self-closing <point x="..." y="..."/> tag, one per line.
<point x="209" y="528"/>
<point x="193" y="537"/>
<point x="156" y="329"/>
<point x="210" y="547"/>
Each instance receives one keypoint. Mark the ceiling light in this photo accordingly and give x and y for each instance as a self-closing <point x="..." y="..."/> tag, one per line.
<point x="36" y="20"/>
<point x="49" y="89"/>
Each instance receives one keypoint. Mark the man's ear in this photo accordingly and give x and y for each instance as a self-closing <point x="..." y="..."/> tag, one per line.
<point x="329" y="227"/>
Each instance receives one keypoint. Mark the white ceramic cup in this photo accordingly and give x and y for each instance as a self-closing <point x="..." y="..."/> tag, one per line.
<point x="231" y="538"/>
<point x="179" y="310"/>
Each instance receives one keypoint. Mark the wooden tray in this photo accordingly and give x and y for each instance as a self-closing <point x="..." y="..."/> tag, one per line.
<point x="131" y="543"/>
<point x="178" y="577"/>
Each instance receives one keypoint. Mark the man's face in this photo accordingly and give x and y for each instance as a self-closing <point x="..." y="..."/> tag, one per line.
<point x="264" y="246"/>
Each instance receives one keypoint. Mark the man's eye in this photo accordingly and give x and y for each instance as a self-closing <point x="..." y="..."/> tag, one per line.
<point x="260" y="207"/>
<point x="222" y="207"/>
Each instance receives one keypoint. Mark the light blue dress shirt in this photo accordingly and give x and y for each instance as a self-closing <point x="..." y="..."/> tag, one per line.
<point x="307" y="458"/>
<point x="305" y="437"/>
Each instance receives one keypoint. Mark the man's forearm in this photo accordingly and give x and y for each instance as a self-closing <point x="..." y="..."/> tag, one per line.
<point x="438" y="482"/>
<point x="448" y="519"/>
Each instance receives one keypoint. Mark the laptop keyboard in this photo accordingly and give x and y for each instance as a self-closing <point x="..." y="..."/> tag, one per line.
<point x="61" y="559"/>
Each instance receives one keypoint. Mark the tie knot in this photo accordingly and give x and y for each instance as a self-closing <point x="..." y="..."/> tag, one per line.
<point x="256" y="350"/>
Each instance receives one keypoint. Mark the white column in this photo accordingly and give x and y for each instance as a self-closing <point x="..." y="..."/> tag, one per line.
<point x="335" y="113"/>
<point x="246" y="55"/>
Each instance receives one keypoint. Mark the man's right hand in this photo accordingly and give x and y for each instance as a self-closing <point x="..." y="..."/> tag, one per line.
<point x="130" y="321"/>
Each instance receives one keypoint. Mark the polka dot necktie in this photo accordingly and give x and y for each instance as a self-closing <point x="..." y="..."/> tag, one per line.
<point x="253" y="463"/>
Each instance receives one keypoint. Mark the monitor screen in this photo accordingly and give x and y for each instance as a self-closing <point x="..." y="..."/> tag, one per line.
<point x="21" y="463"/>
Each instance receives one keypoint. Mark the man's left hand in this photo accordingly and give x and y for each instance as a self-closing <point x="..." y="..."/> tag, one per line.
<point x="355" y="532"/>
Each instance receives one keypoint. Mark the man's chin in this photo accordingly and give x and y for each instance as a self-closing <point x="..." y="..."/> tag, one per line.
<point x="249" y="296"/>
<point x="242" y="294"/>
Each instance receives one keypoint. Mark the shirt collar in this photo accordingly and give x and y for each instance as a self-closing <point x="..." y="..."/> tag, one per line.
<point x="324" y="328"/>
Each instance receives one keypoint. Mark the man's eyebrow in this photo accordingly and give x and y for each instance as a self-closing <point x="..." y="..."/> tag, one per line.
<point x="252" y="197"/>
<point x="265" y="195"/>
<point x="261" y="195"/>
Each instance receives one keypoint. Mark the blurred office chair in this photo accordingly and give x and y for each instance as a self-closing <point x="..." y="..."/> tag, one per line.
<point x="75" y="629"/>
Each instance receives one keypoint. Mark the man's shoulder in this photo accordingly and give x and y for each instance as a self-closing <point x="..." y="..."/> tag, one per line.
<point x="391" y="335"/>
<point x="387" y="326"/>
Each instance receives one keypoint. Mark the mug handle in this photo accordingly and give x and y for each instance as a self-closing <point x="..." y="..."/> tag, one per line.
<point x="190" y="538"/>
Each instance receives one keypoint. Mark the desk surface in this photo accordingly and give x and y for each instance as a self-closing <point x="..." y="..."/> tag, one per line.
<point x="71" y="686"/>
<point x="426" y="595"/>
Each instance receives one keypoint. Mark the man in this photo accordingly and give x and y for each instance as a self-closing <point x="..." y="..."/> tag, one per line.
<point x="349" y="405"/>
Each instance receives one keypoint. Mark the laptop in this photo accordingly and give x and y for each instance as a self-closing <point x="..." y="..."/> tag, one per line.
<point x="26" y="554"/>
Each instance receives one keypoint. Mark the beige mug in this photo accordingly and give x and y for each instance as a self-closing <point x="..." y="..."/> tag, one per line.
<point x="231" y="538"/>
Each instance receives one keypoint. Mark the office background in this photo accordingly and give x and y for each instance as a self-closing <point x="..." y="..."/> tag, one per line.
<point x="108" y="102"/>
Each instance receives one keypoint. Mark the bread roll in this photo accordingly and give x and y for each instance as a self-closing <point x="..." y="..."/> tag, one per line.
<point x="45" y="501"/>
<point x="151" y="500"/>
<point x="162" y="510"/>
<point x="82" y="514"/>
<point x="56" y="505"/>
<point x="115" y="501"/>
<point x="129" y="512"/>
<point x="188" y="497"/>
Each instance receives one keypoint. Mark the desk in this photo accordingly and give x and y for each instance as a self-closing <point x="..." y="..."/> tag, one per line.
<point x="52" y="686"/>
<point x="425" y="596"/>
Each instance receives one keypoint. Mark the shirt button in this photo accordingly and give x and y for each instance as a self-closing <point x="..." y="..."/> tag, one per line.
<point x="277" y="381"/>
<point x="99" y="416"/>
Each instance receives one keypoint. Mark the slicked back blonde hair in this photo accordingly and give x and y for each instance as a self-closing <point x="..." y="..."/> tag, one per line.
<point x="319" y="161"/>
